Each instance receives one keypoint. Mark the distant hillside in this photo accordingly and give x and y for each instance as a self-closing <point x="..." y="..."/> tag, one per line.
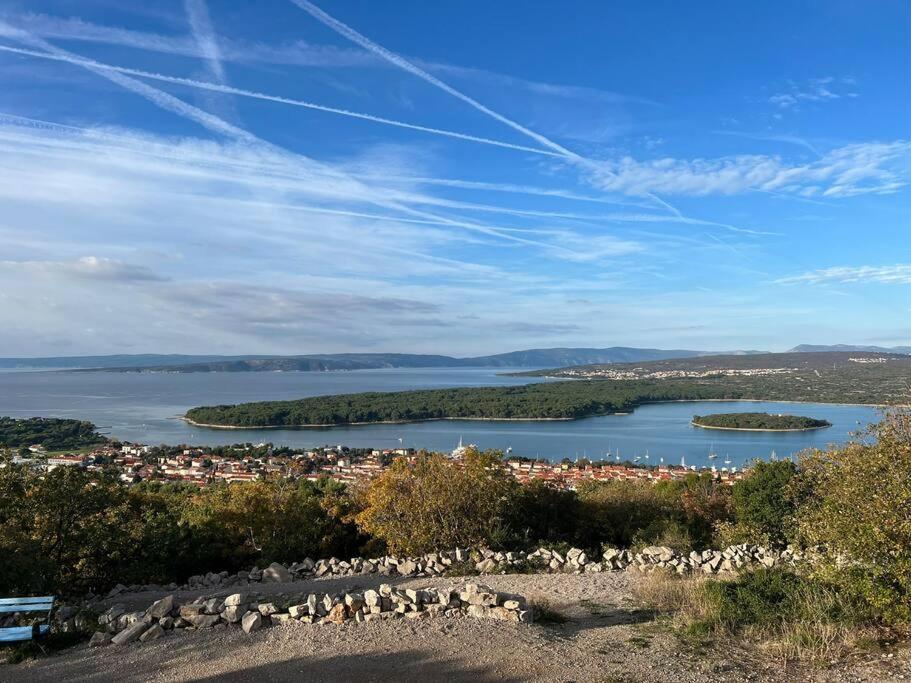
<point x="112" y="361"/>
<point x="577" y="356"/>
<point x="821" y="348"/>
<point x="296" y="364"/>
<point x="530" y="358"/>
<point x="803" y="361"/>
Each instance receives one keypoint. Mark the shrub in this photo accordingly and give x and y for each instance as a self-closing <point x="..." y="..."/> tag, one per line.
<point x="671" y="533"/>
<point x="861" y="511"/>
<point x="58" y="529"/>
<point x="681" y="514"/>
<point x="785" y="614"/>
<point x="760" y="597"/>
<point x="614" y="511"/>
<point x="545" y="613"/>
<point x="705" y="503"/>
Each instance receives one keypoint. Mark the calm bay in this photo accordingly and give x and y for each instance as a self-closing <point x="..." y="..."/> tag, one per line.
<point x="144" y="407"/>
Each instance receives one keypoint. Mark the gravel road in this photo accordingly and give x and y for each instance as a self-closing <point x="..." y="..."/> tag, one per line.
<point x="605" y="638"/>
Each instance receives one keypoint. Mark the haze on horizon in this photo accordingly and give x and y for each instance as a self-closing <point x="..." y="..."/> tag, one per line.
<point x="463" y="179"/>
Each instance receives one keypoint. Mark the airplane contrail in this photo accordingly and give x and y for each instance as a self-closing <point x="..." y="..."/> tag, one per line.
<point x="216" y="124"/>
<point x="362" y="40"/>
<point x="403" y="63"/>
<point x="496" y="187"/>
<point x="231" y="90"/>
<point x="158" y="97"/>
<point x="204" y="34"/>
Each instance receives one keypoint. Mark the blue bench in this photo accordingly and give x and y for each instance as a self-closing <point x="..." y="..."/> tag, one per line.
<point x="17" y="634"/>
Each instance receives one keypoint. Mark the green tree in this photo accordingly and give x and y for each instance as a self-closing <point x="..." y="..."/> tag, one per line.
<point x="765" y="503"/>
<point x="271" y="520"/>
<point x="541" y="513"/>
<point x="617" y="512"/>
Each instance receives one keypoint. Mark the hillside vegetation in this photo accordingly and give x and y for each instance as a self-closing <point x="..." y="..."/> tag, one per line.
<point x="758" y="421"/>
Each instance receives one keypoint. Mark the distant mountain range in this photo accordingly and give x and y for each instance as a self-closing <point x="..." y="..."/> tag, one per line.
<point x="530" y="358"/>
<point x="818" y="348"/>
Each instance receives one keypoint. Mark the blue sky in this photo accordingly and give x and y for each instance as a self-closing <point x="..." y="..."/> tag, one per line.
<point x="283" y="177"/>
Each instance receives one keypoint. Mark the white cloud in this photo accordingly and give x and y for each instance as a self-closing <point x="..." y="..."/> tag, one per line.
<point x="863" y="168"/>
<point x="87" y="268"/>
<point x="813" y="90"/>
<point x="263" y="237"/>
<point x="899" y="274"/>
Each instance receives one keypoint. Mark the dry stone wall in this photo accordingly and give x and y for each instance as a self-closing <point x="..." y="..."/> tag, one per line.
<point x="251" y="613"/>
<point x="486" y="561"/>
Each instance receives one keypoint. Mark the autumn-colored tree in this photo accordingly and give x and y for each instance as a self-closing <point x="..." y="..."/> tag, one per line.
<point x="432" y="502"/>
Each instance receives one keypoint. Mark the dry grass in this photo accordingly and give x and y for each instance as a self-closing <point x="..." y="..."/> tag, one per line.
<point x="811" y="637"/>
<point x="672" y="595"/>
<point x="545" y="613"/>
<point x="813" y="641"/>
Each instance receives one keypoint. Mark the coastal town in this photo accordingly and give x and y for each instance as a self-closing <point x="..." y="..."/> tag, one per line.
<point x="205" y="466"/>
<point x="602" y="372"/>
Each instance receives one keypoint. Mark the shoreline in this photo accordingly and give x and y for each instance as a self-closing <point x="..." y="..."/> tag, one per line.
<point x="386" y="422"/>
<point x="759" y="429"/>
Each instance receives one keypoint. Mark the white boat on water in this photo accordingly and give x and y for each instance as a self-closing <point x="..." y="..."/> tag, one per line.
<point x="460" y="450"/>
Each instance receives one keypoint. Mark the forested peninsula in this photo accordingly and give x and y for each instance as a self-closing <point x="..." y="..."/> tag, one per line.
<point x="759" y="422"/>
<point x="566" y="400"/>
<point x="50" y="432"/>
<point x="553" y="401"/>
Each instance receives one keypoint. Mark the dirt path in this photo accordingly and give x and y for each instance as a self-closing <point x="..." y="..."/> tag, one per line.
<point x="605" y="638"/>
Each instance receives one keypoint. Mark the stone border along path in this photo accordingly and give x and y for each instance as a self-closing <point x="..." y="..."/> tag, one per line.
<point x="487" y="561"/>
<point x="471" y="599"/>
<point x="124" y="626"/>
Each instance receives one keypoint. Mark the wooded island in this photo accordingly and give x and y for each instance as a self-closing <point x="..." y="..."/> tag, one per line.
<point x="760" y="422"/>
